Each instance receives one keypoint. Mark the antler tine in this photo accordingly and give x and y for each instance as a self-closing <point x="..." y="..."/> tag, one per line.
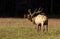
<point x="39" y="10"/>
<point x="35" y="10"/>
<point x="29" y="10"/>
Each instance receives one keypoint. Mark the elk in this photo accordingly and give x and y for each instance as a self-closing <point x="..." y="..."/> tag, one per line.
<point x="38" y="18"/>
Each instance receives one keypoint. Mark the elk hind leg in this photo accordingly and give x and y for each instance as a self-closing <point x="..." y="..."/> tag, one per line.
<point x="47" y="28"/>
<point x="39" y="27"/>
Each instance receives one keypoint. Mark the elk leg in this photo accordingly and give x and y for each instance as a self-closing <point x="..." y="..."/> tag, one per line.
<point x="47" y="27"/>
<point x="43" y="28"/>
<point x="38" y="28"/>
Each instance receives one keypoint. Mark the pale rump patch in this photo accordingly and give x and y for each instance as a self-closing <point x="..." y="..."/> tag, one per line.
<point x="40" y="19"/>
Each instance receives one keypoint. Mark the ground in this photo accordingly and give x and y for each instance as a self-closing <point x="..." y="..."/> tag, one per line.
<point x="19" y="28"/>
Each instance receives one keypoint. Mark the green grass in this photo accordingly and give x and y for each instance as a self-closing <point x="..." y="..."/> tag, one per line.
<point x="13" y="32"/>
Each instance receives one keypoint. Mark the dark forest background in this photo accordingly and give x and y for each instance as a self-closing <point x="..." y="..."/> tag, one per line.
<point x="17" y="8"/>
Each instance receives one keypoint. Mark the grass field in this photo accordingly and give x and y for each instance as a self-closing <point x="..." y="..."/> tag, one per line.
<point x="17" y="28"/>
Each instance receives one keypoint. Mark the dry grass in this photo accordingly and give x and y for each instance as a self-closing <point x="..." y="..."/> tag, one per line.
<point x="17" y="28"/>
<point x="52" y="23"/>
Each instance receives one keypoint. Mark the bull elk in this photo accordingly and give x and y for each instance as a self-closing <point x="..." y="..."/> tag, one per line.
<point x="39" y="19"/>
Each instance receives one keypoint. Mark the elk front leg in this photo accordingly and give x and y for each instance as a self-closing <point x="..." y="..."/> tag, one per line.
<point x="42" y="27"/>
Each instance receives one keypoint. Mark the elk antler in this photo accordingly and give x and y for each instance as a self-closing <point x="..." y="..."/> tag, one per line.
<point x="36" y="12"/>
<point x="29" y="11"/>
<point x="39" y="10"/>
